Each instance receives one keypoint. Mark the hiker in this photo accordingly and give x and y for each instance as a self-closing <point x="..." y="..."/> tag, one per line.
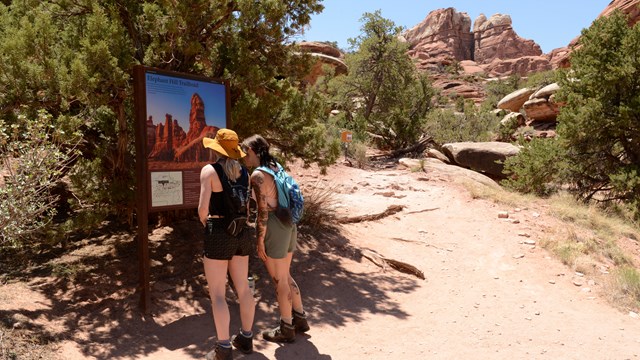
<point x="224" y="252"/>
<point x="276" y="241"/>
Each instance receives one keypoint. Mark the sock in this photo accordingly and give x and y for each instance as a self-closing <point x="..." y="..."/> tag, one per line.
<point x="300" y="313"/>
<point x="225" y="343"/>
<point x="247" y="334"/>
<point x="288" y="321"/>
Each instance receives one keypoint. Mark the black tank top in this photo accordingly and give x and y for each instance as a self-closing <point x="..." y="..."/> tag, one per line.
<point x="216" y="203"/>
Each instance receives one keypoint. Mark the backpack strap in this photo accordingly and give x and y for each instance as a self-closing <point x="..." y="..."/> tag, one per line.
<point x="283" y="196"/>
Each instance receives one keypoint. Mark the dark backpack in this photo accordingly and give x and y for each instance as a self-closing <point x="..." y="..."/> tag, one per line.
<point x="236" y="199"/>
<point x="289" y="194"/>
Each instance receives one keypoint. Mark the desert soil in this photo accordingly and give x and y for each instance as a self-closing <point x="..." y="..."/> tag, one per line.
<point x="490" y="291"/>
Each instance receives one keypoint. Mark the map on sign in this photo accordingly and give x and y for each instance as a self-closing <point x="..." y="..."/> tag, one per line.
<point x="166" y="188"/>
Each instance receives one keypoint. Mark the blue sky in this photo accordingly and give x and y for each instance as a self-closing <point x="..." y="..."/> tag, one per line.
<point x="164" y="97"/>
<point x="550" y="23"/>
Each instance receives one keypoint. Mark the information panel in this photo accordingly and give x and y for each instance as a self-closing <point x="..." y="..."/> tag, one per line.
<point x="175" y="111"/>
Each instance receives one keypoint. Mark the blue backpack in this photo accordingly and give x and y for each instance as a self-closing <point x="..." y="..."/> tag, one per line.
<point x="289" y="194"/>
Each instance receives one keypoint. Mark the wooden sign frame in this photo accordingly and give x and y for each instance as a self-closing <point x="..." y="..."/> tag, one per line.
<point x="174" y="111"/>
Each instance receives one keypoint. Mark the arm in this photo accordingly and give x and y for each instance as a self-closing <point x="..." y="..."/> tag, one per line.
<point x="206" y="175"/>
<point x="257" y="182"/>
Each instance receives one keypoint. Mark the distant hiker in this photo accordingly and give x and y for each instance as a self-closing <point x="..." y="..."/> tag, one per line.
<point x="223" y="196"/>
<point x="277" y="237"/>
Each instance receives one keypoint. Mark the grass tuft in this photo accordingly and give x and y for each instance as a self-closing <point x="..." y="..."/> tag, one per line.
<point x="319" y="206"/>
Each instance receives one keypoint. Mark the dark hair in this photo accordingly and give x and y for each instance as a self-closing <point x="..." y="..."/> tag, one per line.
<point x="260" y="146"/>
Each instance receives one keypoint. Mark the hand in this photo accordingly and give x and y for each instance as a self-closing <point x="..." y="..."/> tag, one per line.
<point x="262" y="254"/>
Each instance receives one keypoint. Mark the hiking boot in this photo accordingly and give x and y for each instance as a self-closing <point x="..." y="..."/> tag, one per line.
<point x="283" y="333"/>
<point x="300" y="322"/>
<point x="220" y="353"/>
<point x="243" y="343"/>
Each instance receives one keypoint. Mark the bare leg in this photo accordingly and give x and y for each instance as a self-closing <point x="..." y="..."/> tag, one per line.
<point x="296" y="297"/>
<point x="279" y="271"/>
<point x="238" y="269"/>
<point x="215" y="272"/>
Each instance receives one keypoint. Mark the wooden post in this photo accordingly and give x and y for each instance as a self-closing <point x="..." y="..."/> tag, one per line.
<point x="142" y="193"/>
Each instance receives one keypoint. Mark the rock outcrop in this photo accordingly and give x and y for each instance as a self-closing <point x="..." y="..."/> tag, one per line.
<point x="494" y="38"/>
<point x="631" y="8"/>
<point x="445" y="36"/>
<point x="536" y="109"/>
<point x="541" y="105"/>
<point x="325" y="55"/>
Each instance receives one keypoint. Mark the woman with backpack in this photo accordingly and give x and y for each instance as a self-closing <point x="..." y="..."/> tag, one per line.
<point x="276" y="240"/>
<point x="226" y="246"/>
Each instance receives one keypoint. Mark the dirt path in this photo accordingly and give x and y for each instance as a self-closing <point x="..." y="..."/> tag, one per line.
<point x="487" y="294"/>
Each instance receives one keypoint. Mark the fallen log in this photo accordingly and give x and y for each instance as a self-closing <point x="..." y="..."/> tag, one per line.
<point x="381" y="261"/>
<point x="418" y="147"/>
<point x="392" y="209"/>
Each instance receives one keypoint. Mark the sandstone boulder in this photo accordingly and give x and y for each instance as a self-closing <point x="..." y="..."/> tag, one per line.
<point x="486" y="157"/>
<point x="515" y="100"/>
<point x="435" y="154"/>
<point x="546" y="91"/>
<point x="541" y="109"/>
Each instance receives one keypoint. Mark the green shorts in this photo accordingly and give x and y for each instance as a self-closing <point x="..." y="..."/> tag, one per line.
<point x="280" y="239"/>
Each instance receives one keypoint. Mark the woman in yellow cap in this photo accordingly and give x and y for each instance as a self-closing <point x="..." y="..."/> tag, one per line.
<point x="225" y="251"/>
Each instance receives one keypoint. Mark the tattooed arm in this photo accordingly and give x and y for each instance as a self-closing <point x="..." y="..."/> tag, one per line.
<point x="257" y="183"/>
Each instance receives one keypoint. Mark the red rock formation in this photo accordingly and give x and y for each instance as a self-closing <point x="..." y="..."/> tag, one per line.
<point x="522" y="66"/>
<point x="325" y="55"/>
<point x="197" y="122"/>
<point x="494" y="38"/>
<point x="151" y="135"/>
<point x="631" y="8"/>
<point x="169" y="142"/>
<point x="166" y="137"/>
<point x="316" y="47"/>
<point x="442" y="36"/>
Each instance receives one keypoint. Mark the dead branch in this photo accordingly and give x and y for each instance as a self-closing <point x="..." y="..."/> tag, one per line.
<point x="418" y="147"/>
<point x="382" y="261"/>
<point x="392" y="209"/>
<point x="421" y="243"/>
<point x="421" y="211"/>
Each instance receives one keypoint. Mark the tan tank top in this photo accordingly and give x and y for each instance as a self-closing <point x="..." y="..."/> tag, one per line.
<point x="270" y="192"/>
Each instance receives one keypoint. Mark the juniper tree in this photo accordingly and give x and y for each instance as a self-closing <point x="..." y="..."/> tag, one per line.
<point x="383" y="93"/>
<point x="600" y="124"/>
<point x="74" y="60"/>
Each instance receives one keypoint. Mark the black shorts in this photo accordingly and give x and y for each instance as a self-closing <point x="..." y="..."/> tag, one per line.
<point x="219" y="245"/>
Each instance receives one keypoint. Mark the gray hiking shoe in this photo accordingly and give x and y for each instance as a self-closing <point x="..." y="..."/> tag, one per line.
<point x="243" y="343"/>
<point x="283" y="333"/>
<point x="300" y="322"/>
<point x="220" y="353"/>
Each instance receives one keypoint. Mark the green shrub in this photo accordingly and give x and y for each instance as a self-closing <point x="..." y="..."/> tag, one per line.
<point x="536" y="168"/>
<point x="473" y="125"/>
<point x="540" y="79"/>
<point x="35" y="153"/>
